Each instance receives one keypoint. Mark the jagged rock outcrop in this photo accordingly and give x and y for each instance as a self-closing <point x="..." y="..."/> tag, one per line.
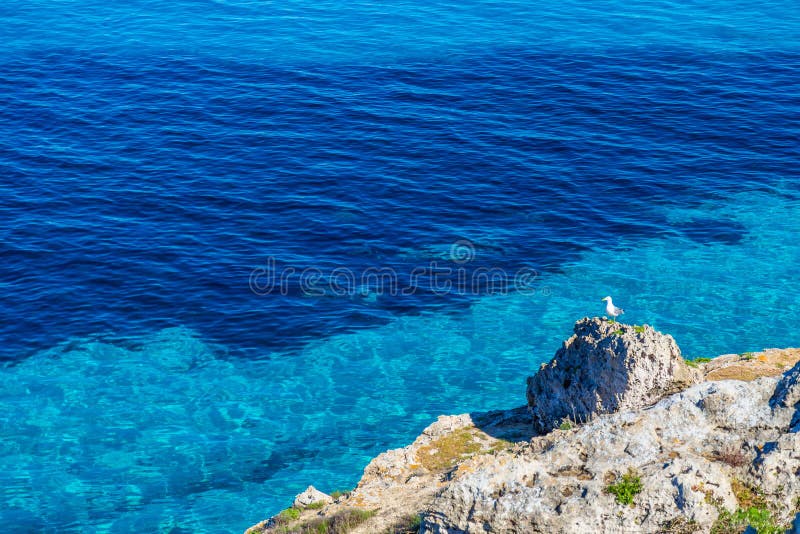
<point x="606" y="367"/>
<point x="711" y="457"/>
<point x="311" y="496"/>
<point x="694" y="453"/>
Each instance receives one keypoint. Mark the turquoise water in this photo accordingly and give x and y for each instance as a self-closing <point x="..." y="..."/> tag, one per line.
<point x="170" y="432"/>
<point x="155" y="156"/>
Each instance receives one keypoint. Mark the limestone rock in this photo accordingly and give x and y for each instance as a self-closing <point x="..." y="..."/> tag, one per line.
<point x="787" y="396"/>
<point x="750" y="365"/>
<point x="692" y="448"/>
<point x="310" y="496"/>
<point x="401" y="482"/>
<point x="603" y="368"/>
<point x="673" y="447"/>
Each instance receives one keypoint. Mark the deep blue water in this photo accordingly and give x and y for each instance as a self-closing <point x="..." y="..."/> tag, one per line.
<point x="162" y="165"/>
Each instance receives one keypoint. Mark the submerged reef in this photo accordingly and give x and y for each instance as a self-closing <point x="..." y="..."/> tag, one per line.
<point x="620" y="434"/>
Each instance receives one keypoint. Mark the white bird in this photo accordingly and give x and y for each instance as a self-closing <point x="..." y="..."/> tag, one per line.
<point x="612" y="310"/>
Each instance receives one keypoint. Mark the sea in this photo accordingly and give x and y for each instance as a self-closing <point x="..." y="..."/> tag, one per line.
<point x="247" y="245"/>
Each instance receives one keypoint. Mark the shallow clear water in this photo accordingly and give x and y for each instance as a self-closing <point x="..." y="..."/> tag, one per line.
<point x="155" y="157"/>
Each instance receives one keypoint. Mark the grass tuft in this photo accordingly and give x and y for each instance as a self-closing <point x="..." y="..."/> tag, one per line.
<point x="695" y="362"/>
<point x="339" y="523"/>
<point x="337" y="494"/>
<point x="502" y="445"/>
<point x="747" y="496"/>
<point x="753" y="511"/>
<point x="626" y="487"/>
<point x="447" y="451"/>
<point x="408" y="525"/>
<point x="759" y="519"/>
<point x="289" y="515"/>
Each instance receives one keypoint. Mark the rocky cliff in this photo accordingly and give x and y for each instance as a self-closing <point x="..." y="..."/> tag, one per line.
<point x="620" y="435"/>
<point x="606" y="367"/>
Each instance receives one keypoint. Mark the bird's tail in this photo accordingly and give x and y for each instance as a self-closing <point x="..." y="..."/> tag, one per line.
<point x="621" y="311"/>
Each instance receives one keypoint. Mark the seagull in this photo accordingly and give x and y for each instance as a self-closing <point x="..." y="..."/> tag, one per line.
<point x="612" y="310"/>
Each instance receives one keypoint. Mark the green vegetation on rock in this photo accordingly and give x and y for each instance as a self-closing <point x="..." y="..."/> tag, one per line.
<point x="759" y="519"/>
<point x="501" y="445"/>
<point x="336" y="494"/>
<point x="290" y="514"/>
<point x="626" y="487"/>
<point x="447" y="451"/>
<point x="339" y="523"/>
<point x="753" y="511"/>
<point x="407" y="525"/>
